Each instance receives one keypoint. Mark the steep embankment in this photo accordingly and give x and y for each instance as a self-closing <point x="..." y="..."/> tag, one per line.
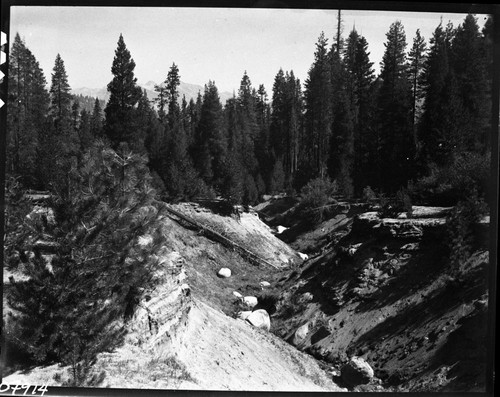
<point x="179" y="335"/>
<point x="386" y="292"/>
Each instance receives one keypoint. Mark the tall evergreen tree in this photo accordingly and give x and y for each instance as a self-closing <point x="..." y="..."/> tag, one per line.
<point x="96" y="123"/>
<point x="172" y="94"/>
<point x="262" y="150"/>
<point x="440" y="111"/>
<point x="84" y="131"/>
<point x="28" y="103"/>
<point x="360" y="78"/>
<point x="318" y="116"/>
<point x="343" y="109"/>
<point x="175" y="166"/>
<point x="398" y="149"/>
<point x="124" y="95"/>
<point x="210" y="145"/>
<point x="416" y="59"/>
<point x="161" y="100"/>
<point x="286" y="125"/>
<point x="75" y="114"/>
<point x="60" y="94"/>
<point x="470" y="71"/>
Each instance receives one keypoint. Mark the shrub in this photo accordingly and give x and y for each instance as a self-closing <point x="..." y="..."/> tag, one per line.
<point x="392" y="207"/>
<point x="460" y="227"/>
<point x="369" y="195"/>
<point x="61" y="315"/>
<point x="447" y="185"/>
<point x="316" y="194"/>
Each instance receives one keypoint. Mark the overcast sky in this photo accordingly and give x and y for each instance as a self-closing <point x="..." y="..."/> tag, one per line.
<point x="217" y="44"/>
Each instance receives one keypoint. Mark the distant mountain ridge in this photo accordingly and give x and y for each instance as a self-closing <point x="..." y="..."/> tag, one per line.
<point x="190" y="91"/>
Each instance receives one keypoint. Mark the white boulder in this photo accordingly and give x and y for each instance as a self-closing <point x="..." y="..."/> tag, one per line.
<point x="300" y="334"/>
<point x="280" y="229"/>
<point x="224" y="272"/>
<point x="260" y="319"/>
<point x="265" y="284"/>
<point x="302" y="256"/>
<point x="250" y="301"/>
<point x="237" y="295"/>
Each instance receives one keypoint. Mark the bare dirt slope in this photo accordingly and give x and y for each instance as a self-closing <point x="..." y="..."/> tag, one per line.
<point x="224" y="353"/>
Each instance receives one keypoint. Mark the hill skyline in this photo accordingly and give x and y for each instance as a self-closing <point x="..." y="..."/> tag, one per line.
<point x="190" y="91"/>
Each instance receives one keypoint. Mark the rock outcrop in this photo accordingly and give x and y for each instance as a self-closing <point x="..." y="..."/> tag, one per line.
<point x="412" y="228"/>
<point x="356" y="372"/>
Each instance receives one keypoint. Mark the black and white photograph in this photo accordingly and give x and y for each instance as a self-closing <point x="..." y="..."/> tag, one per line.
<point x="256" y="198"/>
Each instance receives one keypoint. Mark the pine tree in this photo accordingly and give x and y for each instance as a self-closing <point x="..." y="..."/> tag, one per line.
<point x="440" y="113"/>
<point x="75" y="115"/>
<point x="210" y="144"/>
<point x="172" y="94"/>
<point x="175" y="166"/>
<point x="60" y="97"/>
<point x="84" y="131"/>
<point x="343" y="109"/>
<point x="28" y="103"/>
<point x="96" y="124"/>
<point x="318" y="117"/>
<point x="278" y="115"/>
<point x="286" y="122"/>
<point x="416" y="59"/>
<point x="59" y="146"/>
<point x="262" y="150"/>
<point x="359" y="90"/>
<point x="469" y="66"/>
<point x="161" y="100"/>
<point x="124" y="95"/>
<point x="398" y="149"/>
<point x="247" y="124"/>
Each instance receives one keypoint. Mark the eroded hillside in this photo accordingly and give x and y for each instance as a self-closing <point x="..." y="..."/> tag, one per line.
<point x="384" y="290"/>
<point x="180" y="335"/>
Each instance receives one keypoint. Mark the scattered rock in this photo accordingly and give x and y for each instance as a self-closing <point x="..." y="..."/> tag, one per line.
<point x="237" y="295"/>
<point x="250" y="301"/>
<point x="280" y="229"/>
<point x="260" y="319"/>
<point x="265" y="284"/>
<point x="302" y="256"/>
<point x="224" y="272"/>
<point x="300" y="334"/>
<point x="356" y="372"/>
